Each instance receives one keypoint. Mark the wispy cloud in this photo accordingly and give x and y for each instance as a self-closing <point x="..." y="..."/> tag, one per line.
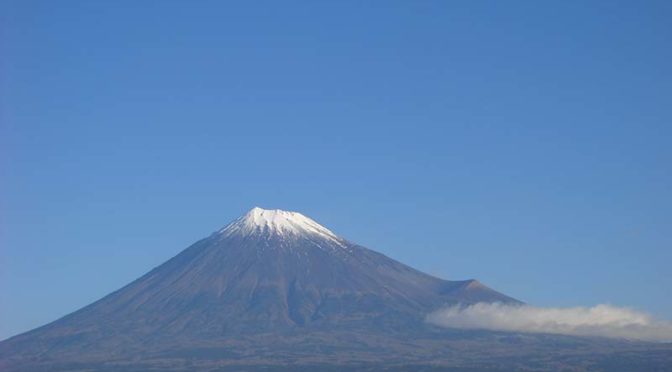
<point x="600" y="320"/>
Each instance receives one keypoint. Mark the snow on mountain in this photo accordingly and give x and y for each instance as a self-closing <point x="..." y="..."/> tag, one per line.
<point x="277" y="222"/>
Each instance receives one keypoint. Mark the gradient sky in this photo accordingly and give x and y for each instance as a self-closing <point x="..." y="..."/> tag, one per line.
<point x="526" y="144"/>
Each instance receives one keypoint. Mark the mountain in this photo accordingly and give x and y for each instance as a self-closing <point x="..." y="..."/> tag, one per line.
<point x="273" y="287"/>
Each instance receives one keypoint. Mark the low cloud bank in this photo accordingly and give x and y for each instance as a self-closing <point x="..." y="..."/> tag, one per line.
<point x="600" y="320"/>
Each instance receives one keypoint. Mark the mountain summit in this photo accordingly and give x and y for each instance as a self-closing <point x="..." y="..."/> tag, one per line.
<point x="268" y="277"/>
<point x="277" y="223"/>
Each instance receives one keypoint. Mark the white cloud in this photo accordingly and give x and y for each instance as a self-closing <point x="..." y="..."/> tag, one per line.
<point x="600" y="320"/>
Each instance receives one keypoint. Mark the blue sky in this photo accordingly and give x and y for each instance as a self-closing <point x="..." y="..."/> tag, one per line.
<point x="523" y="143"/>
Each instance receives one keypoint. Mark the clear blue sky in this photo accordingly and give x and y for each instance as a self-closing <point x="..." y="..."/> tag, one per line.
<point x="526" y="144"/>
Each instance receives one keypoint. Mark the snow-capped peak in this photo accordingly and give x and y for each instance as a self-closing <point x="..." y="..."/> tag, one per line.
<point x="276" y="222"/>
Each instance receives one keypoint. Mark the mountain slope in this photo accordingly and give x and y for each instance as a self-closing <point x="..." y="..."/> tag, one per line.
<point x="270" y="271"/>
